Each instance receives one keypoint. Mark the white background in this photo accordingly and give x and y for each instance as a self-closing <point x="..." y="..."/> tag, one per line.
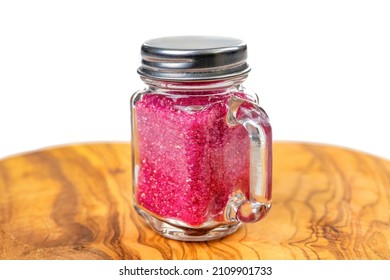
<point x="68" y="68"/>
<point x="281" y="269"/>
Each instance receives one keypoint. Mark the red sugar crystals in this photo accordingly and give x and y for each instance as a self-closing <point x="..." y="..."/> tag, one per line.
<point x="190" y="160"/>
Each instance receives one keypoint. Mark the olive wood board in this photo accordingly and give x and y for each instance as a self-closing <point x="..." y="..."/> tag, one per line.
<point x="75" y="202"/>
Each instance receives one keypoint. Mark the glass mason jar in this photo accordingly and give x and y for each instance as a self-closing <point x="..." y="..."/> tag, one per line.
<point x="201" y="145"/>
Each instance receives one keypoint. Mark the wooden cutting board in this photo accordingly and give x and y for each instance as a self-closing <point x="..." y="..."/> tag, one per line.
<point x="74" y="202"/>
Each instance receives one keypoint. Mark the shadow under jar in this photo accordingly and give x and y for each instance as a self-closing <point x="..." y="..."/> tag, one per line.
<point x="201" y="145"/>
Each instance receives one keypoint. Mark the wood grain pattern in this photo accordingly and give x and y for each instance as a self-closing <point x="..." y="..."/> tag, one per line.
<point x="74" y="202"/>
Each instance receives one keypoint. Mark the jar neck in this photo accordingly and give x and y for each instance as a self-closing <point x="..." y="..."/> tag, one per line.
<point x="195" y="86"/>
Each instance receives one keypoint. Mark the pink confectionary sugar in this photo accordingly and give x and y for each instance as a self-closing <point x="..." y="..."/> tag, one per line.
<point x="190" y="160"/>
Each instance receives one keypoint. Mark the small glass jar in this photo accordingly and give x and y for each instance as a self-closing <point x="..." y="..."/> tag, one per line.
<point x="201" y="145"/>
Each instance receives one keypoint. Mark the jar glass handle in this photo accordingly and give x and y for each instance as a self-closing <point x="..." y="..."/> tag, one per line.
<point x="253" y="208"/>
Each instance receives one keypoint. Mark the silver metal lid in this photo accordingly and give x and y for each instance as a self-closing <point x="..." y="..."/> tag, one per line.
<point x="189" y="58"/>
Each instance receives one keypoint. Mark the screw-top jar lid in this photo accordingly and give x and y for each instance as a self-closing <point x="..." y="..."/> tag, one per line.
<point x="189" y="58"/>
